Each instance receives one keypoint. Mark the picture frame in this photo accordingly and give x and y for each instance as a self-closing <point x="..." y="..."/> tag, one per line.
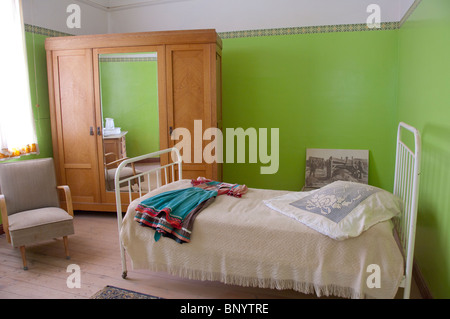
<point x="324" y="166"/>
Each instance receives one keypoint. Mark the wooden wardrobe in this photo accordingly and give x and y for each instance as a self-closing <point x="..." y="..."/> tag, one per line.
<point x="189" y="89"/>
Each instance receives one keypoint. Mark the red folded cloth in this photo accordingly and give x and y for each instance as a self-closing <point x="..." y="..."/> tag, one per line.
<point x="235" y="190"/>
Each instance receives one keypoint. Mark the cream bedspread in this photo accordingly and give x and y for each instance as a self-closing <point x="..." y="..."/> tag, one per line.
<point x="241" y="241"/>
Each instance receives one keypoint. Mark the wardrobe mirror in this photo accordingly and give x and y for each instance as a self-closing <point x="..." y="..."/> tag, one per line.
<point x="130" y="115"/>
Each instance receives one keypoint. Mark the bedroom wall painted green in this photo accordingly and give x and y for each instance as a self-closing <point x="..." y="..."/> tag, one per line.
<point x="130" y="97"/>
<point x="324" y="90"/>
<point x="424" y="101"/>
<point x="39" y="92"/>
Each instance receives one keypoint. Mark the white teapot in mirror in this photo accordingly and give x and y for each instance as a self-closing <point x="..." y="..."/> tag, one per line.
<point x="109" y="128"/>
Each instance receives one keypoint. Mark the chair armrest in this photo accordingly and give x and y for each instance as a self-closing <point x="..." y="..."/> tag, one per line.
<point x="4" y="217"/>
<point x="120" y="160"/>
<point x="68" y="196"/>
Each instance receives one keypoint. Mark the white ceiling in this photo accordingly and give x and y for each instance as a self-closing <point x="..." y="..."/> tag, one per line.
<point x="389" y="5"/>
<point x="117" y="3"/>
<point x="240" y="15"/>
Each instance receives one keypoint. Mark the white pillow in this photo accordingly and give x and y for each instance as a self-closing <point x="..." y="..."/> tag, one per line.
<point x="339" y="210"/>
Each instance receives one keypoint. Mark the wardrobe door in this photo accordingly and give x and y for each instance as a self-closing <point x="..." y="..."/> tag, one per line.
<point x="189" y="104"/>
<point x="75" y="117"/>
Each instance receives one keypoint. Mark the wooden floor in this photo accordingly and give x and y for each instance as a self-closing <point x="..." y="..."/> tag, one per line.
<point x="95" y="249"/>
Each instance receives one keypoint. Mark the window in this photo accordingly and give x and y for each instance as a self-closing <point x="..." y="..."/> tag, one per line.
<point x="17" y="129"/>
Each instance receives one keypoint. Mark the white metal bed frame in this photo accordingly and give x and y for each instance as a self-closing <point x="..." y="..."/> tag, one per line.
<point x="168" y="178"/>
<point x="406" y="186"/>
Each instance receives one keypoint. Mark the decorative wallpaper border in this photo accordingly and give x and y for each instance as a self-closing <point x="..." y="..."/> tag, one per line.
<point x="307" y="30"/>
<point x="256" y="33"/>
<point x="43" y="31"/>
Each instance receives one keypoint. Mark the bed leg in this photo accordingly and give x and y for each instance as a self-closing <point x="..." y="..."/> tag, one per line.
<point x="124" y="261"/>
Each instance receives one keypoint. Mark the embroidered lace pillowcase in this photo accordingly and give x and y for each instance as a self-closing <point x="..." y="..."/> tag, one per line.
<point x="339" y="210"/>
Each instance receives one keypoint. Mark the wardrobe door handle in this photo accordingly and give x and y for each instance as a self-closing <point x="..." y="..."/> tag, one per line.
<point x="91" y="131"/>
<point x="98" y="131"/>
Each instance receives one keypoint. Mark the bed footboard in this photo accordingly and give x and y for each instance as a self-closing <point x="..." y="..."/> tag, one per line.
<point x="164" y="175"/>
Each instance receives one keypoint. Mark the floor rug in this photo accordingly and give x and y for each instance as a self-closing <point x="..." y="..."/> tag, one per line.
<point x="111" y="292"/>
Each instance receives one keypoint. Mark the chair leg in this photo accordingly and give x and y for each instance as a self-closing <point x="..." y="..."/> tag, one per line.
<point x="24" y="258"/>
<point x="66" y="246"/>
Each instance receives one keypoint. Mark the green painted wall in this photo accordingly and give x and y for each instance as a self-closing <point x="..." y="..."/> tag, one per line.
<point x="130" y="97"/>
<point x="424" y="101"/>
<point x="39" y="92"/>
<point x="325" y="90"/>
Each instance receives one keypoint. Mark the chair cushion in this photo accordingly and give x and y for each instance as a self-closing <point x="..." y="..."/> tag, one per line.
<point x="124" y="173"/>
<point x="36" y="217"/>
<point x="39" y="224"/>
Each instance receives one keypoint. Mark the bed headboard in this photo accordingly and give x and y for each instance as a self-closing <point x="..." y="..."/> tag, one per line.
<point x="406" y="186"/>
<point x="165" y="174"/>
<point x="168" y="170"/>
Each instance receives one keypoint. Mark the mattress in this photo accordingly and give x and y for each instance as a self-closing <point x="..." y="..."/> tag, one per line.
<point x="241" y="241"/>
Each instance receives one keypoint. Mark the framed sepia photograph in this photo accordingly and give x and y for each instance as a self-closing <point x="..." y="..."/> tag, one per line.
<point x="324" y="166"/>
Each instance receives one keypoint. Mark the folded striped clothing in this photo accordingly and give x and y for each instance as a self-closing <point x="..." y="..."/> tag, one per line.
<point x="172" y="213"/>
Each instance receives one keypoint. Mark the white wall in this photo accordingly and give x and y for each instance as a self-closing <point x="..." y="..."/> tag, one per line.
<point x="236" y="15"/>
<point x="222" y="15"/>
<point x="52" y="14"/>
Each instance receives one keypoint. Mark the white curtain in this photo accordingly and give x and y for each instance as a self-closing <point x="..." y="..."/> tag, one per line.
<point x="17" y="128"/>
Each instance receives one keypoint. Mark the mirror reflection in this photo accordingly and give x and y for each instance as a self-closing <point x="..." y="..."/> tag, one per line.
<point x="129" y="99"/>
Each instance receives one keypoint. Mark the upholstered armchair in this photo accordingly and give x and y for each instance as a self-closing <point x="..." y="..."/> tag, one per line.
<point x="30" y="206"/>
